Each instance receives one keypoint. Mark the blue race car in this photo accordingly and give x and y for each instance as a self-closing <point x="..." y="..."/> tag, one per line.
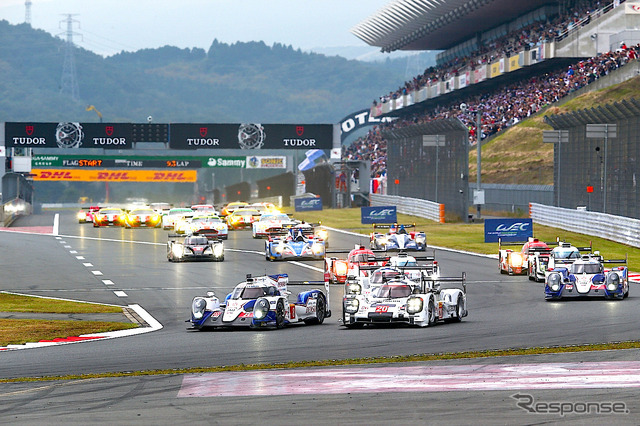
<point x="587" y="276"/>
<point x="260" y="302"/>
<point x="293" y="244"/>
<point x="397" y="238"/>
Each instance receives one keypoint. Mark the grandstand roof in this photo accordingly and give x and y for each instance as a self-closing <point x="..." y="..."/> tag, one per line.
<point x="437" y="24"/>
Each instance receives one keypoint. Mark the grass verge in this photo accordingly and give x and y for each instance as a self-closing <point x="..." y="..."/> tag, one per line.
<point x="18" y="303"/>
<point x="21" y="331"/>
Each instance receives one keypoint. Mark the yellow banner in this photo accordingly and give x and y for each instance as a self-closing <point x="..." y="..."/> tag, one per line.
<point x="93" y="175"/>
<point x="496" y="69"/>
<point x="514" y="63"/>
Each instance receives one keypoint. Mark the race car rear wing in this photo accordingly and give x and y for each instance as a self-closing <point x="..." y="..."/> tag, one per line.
<point x="430" y="280"/>
<point x="393" y="225"/>
<point x="617" y="261"/>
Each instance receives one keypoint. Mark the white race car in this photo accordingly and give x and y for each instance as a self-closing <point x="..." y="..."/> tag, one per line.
<point x="208" y="225"/>
<point x="388" y="295"/>
<point x="261" y="302"/>
<point x="271" y="223"/>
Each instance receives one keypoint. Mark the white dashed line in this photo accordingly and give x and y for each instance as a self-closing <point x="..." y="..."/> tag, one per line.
<point x="120" y="293"/>
<point x="67" y="246"/>
<point x="80" y="257"/>
<point x="73" y="252"/>
<point x="107" y="282"/>
<point x="63" y="242"/>
<point x="87" y="264"/>
<point x="96" y="272"/>
<point x="58" y="238"/>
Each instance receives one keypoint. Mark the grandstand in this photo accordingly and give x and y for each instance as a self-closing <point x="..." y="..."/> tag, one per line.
<point x="507" y="60"/>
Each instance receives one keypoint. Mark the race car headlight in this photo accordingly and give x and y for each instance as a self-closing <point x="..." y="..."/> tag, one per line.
<point x="177" y="250"/>
<point x="341" y="268"/>
<point x="197" y="307"/>
<point x="420" y="239"/>
<point x="279" y="248"/>
<point x="354" y="288"/>
<point x="317" y="248"/>
<point x="260" y="309"/>
<point x="82" y="216"/>
<point x="613" y="281"/>
<point x="351" y="306"/>
<point x="553" y="281"/>
<point x="414" y="305"/>
<point x="218" y="250"/>
<point x="516" y="260"/>
<point x="323" y="234"/>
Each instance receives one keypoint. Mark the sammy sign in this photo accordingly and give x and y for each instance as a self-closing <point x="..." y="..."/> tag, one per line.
<point x="380" y="214"/>
<point x="507" y="230"/>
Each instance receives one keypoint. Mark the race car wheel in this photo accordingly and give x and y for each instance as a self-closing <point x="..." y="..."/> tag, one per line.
<point x="502" y="271"/>
<point x="321" y="307"/>
<point x="280" y="314"/>
<point x="351" y="325"/>
<point x="459" y="309"/>
<point x="431" y="313"/>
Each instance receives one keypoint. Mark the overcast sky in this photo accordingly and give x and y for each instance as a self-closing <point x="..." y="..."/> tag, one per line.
<point x="110" y="26"/>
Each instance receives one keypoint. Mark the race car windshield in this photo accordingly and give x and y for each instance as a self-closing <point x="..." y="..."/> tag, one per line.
<point x="246" y="213"/>
<point x="406" y="262"/>
<point x="378" y="277"/>
<point x="110" y="211"/>
<point x="266" y="217"/>
<point x="253" y="292"/>
<point x="196" y="241"/>
<point x="393" y="291"/>
<point x="586" y="268"/>
<point x="566" y="254"/>
<point x="360" y="257"/>
<point x="143" y="212"/>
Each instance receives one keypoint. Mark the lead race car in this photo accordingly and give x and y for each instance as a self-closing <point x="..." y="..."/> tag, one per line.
<point x="261" y="302"/>
<point x="397" y="238"/>
<point x="587" y="276"/>
<point x="389" y="295"/>
<point x="293" y="244"/>
<point x="194" y="247"/>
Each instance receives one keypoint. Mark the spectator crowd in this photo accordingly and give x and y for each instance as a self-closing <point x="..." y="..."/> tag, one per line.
<point x="504" y="107"/>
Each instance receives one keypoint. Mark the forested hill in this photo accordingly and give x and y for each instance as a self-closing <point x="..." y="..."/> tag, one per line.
<point x="228" y="83"/>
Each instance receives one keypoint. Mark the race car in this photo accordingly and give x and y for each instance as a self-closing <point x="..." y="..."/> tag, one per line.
<point x="87" y="213"/>
<point x="210" y="226"/>
<point x="260" y="302"/>
<point x="397" y="238"/>
<point x="231" y="207"/>
<point x="516" y="262"/>
<point x="264" y="207"/>
<point x="194" y="247"/>
<point x="337" y="270"/>
<point x="169" y="220"/>
<point x="142" y="217"/>
<point x="242" y="218"/>
<point x="403" y="260"/>
<point x="161" y="208"/>
<point x="587" y="276"/>
<point x="295" y="243"/>
<point x="388" y="295"/>
<point x="538" y="263"/>
<point x="204" y="209"/>
<point x="109" y="216"/>
<point x="271" y="223"/>
<point x="564" y="254"/>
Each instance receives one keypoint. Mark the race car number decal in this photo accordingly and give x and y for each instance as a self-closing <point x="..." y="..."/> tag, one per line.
<point x="382" y="309"/>
<point x="216" y="314"/>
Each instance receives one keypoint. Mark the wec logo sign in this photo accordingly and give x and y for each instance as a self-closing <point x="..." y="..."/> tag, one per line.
<point x="515" y="227"/>
<point x="308" y="204"/>
<point x="382" y="214"/>
<point x="507" y="230"/>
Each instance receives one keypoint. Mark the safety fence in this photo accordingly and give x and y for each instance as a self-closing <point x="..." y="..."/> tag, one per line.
<point x="412" y="206"/>
<point x="621" y="229"/>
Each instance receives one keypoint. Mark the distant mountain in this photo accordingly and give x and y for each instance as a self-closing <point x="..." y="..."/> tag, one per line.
<point x="228" y="83"/>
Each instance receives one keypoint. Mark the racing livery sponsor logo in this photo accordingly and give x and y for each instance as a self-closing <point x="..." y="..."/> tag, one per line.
<point x="381" y="214"/>
<point x="89" y="175"/>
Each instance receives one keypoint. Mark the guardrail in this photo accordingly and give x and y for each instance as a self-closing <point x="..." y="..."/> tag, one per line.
<point x="413" y="206"/>
<point x="14" y="208"/>
<point x="621" y="229"/>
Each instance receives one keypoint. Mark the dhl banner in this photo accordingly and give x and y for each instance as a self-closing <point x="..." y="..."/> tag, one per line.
<point x="85" y="175"/>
